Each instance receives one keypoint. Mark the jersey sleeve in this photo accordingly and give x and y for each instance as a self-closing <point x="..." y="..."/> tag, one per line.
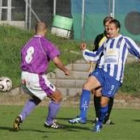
<point x="53" y="51"/>
<point x="50" y="49"/>
<point x="133" y="48"/>
<point x="92" y="56"/>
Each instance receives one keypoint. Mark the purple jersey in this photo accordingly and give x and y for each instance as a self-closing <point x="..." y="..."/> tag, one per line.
<point x="36" y="55"/>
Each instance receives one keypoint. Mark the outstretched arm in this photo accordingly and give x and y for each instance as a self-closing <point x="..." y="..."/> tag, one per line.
<point x="90" y="55"/>
<point x="60" y="65"/>
<point x="133" y="48"/>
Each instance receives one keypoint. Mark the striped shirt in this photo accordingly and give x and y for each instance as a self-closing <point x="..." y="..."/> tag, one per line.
<point x="112" y="55"/>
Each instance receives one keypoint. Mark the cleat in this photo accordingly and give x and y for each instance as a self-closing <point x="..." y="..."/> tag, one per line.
<point x="108" y="122"/>
<point x="97" y="128"/>
<point x="53" y="125"/>
<point x="77" y="120"/>
<point x="17" y="122"/>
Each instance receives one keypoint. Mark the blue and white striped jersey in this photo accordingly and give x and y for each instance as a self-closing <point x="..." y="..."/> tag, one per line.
<point x="112" y="55"/>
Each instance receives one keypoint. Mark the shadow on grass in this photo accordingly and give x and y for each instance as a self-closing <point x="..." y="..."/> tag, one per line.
<point x="67" y="119"/>
<point x="21" y="130"/>
<point x="137" y="120"/>
<point x="74" y="127"/>
<point x="66" y="127"/>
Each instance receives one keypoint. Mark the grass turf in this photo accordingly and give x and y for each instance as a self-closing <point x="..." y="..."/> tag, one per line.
<point x="127" y="125"/>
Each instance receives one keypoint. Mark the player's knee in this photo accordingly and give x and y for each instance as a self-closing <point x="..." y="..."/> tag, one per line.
<point x="104" y="102"/>
<point x="86" y="86"/>
<point x="56" y="96"/>
<point x="59" y="97"/>
<point x="98" y="94"/>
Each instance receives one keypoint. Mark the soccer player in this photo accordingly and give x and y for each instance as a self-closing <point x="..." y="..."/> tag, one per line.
<point x="99" y="40"/>
<point x="111" y="58"/>
<point x="35" y="58"/>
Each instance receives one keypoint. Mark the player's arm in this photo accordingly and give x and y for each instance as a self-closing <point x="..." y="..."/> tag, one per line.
<point x="82" y="47"/>
<point x="95" y="46"/>
<point x="60" y="65"/>
<point x="92" y="56"/>
<point x="133" y="47"/>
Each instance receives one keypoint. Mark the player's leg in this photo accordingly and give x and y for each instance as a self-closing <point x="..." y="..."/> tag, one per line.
<point x="97" y="106"/>
<point x="31" y="85"/>
<point x="91" y="83"/>
<point x="110" y="105"/>
<point x="29" y="106"/>
<point x="109" y="88"/>
<point x="96" y="101"/>
<point x="102" y="113"/>
<point x="54" y="105"/>
<point x="53" y="109"/>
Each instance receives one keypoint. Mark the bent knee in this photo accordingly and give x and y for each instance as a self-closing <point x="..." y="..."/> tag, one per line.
<point x="98" y="94"/>
<point x="87" y="86"/>
<point x="56" y="96"/>
<point x="59" y="97"/>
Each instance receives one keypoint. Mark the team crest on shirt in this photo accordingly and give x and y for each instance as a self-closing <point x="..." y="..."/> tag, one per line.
<point x="112" y="56"/>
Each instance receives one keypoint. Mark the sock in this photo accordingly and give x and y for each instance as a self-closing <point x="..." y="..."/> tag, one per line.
<point x="110" y="105"/>
<point x="29" y="106"/>
<point x="103" y="112"/>
<point x="52" y="112"/>
<point x="84" y="103"/>
<point x="97" y="105"/>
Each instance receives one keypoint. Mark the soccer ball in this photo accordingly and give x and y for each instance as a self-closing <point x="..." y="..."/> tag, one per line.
<point x="5" y="84"/>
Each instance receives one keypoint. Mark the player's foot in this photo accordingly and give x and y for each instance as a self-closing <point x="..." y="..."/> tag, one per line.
<point x="77" y="120"/>
<point x="97" y="128"/>
<point x="109" y="122"/>
<point x="53" y="125"/>
<point x="17" y="122"/>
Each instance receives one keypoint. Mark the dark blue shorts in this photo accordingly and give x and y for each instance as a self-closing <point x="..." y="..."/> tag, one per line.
<point x="109" y="84"/>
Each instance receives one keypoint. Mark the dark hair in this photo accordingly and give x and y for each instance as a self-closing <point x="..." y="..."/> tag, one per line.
<point x="106" y="19"/>
<point x="116" y="22"/>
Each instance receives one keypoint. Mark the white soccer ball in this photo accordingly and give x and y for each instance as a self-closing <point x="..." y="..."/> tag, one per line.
<point x="5" y="84"/>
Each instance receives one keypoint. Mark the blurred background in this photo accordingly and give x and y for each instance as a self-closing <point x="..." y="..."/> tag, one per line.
<point x="86" y="15"/>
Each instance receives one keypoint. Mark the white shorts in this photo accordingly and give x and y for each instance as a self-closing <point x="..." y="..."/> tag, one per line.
<point x="37" y="85"/>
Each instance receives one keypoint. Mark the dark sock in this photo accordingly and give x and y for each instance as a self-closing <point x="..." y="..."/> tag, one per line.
<point x="97" y="105"/>
<point x="110" y="105"/>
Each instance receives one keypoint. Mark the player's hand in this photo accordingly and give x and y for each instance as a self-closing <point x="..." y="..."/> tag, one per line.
<point x="83" y="46"/>
<point x="67" y="72"/>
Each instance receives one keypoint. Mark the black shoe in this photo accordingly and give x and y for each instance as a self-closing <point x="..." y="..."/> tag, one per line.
<point x="53" y="125"/>
<point x="17" y="122"/>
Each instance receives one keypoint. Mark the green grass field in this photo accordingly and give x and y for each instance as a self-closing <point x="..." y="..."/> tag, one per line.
<point x="127" y="125"/>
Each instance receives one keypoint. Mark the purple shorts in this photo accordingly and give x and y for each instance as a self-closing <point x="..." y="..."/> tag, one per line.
<point x="37" y="85"/>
